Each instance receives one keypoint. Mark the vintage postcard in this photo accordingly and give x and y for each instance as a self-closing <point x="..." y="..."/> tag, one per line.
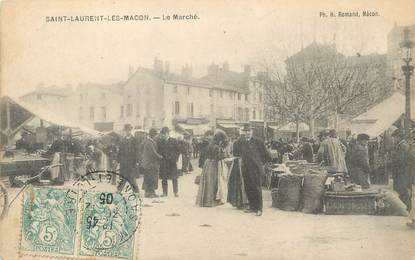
<point x="198" y="129"/>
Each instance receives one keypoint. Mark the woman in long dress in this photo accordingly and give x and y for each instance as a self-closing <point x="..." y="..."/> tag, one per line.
<point x="212" y="181"/>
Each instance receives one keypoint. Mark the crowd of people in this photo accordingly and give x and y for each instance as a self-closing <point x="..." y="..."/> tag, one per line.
<point x="160" y="155"/>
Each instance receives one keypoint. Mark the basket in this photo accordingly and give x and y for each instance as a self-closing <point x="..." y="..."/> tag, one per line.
<point x="350" y="203"/>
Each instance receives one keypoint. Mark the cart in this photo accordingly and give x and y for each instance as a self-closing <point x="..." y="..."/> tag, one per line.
<point x="4" y="198"/>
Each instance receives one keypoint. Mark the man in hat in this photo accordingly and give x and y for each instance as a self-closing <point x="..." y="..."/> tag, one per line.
<point x="332" y="152"/>
<point x="150" y="163"/>
<point x="359" y="162"/>
<point x="127" y="157"/>
<point x="306" y="150"/>
<point x="168" y="147"/>
<point x="140" y="135"/>
<point x="400" y="166"/>
<point x="254" y="155"/>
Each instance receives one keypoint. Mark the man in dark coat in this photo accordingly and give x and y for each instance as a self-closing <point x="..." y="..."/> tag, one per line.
<point x="307" y="150"/>
<point x="254" y="155"/>
<point x="359" y="162"/>
<point x="127" y="157"/>
<point x="168" y="147"/>
<point x="150" y="164"/>
<point x="400" y="167"/>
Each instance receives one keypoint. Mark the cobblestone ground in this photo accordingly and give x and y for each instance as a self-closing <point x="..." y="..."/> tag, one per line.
<point x="174" y="228"/>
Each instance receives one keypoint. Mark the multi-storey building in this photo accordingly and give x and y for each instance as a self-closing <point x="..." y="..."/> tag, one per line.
<point x="98" y="106"/>
<point x="55" y="99"/>
<point x="156" y="97"/>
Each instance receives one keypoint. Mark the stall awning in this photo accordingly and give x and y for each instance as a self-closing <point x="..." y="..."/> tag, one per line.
<point x="380" y="117"/>
<point x="291" y="128"/>
<point x="228" y="125"/>
<point x="47" y="116"/>
<point x="198" y="129"/>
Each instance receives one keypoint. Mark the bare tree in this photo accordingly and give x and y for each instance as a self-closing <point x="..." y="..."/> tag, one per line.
<point x="323" y="84"/>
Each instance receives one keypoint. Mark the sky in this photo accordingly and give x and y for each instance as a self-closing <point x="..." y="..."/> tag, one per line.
<point x="34" y="51"/>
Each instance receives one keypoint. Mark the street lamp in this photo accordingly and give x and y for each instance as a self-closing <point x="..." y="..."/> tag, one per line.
<point x="407" y="69"/>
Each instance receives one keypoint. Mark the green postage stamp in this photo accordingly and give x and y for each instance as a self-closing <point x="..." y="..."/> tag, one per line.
<point x="49" y="222"/>
<point x="79" y="224"/>
<point x="109" y="222"/>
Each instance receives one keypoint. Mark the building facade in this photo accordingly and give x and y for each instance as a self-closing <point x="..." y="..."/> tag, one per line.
<point x="156" y="97"/>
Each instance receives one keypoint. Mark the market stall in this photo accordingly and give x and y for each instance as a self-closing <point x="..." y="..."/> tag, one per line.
<point x="307" y="187"/>
<point x="42" y="134"/>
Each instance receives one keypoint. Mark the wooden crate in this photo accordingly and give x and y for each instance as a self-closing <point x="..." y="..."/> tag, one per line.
<point x="350" y="203"/>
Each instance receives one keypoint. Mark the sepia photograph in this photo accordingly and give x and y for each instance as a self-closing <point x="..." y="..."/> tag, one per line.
<point x="198" y="129"/>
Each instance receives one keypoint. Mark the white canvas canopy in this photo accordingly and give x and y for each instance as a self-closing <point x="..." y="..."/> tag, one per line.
<point x="291" y="128"/>
<point x="48" y="116"/>
<point x="380" y="117"/>
<point x="199" y="129"/>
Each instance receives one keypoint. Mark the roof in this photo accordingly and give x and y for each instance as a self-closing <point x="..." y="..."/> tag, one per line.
<point x="314" y="51"/>
<point x="52" y="91"/>
<point x="173" y="78"/>
<point x="227" y="80"/>
<point x="48" y="116"/>
<point x="380" y="117"/>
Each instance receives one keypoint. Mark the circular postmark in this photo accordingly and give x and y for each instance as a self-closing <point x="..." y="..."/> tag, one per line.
<point x="110" y="215"/>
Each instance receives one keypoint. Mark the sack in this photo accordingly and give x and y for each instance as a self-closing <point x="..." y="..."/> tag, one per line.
<point x="289" y="192"/>
<point x="197" y="179"/>
<point x="313" y="190"/>
<point x="391" y="205"/>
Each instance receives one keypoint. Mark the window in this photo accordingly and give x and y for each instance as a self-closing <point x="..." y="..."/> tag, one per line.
<point x="122" y="111"/>
<point x="81" y="96"/>
<point x="246" y="97"/>
<point x="190" y="110"/>
<point x="103" y="113"/>
<point x="137" y="90"/>
<point x="230" y="95"/>
<point x="200" y="110"/>
<point x="221" y="93"/>
<point x="38" y="97"/>
<point x="103" y="95"/>
<point x="260" y="96"/>
<point x="80" y="115"/>
<point x="91" y="113"/>
<point x="210" y="92"/>
<point x="188" y="90"/>
<point x="239" y="96"/>
<point x="211" y="109"/>
<point x="175" y="89"/>
<point x="253" y="114"/>
<point x="176" y="107"/>
<point x="129" y="111"/>
<point x="260" y="115"/>
<point x="240" y="116"/>
<point x="147" y="90"/>
<point x="137" y="110"/>
<point x="148" y="108"/>
<point x="246" y="114"/>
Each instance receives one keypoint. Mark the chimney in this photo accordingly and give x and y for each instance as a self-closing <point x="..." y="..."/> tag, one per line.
<point x="187" y="71"/>
<point x="213" y="69"/>
<point x="247" y="70"/>
<point x="225" y="66"/>
<point x="167" y="67"/>
<point x="158" y="66"/>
